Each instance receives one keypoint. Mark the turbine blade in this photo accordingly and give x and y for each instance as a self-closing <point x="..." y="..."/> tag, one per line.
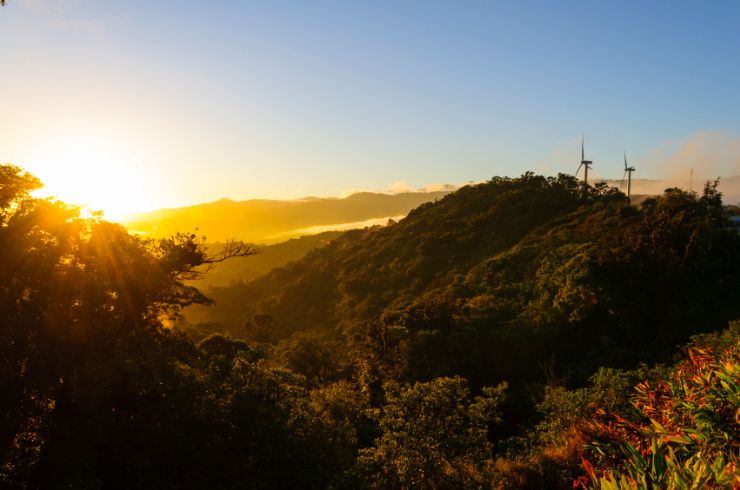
<point x="621" y="184"/>
<point x="625" y="160"/>
<point x="579" y="169"/>
<point x="583" y="138"/>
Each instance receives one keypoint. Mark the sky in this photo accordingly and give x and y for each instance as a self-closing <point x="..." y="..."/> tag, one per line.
<point x="130" y="106"/>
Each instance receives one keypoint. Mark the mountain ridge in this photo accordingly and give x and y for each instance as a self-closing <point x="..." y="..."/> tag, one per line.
<point x="517" y="265"/>
<point x="269" y="221"/>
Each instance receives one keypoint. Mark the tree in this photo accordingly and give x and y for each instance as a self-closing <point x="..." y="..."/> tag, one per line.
<point x="434" y="435"/>
<point x="81" y="332"/>
<point x="261" y="328"/>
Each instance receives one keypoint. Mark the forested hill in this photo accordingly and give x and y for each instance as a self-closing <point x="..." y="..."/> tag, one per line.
<point x="470" y="345"/>
<point x="368" y="269"/>
<point x="532" y="261"/>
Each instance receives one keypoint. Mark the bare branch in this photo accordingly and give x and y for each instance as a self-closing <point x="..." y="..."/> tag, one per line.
<point x="233" y="248"/>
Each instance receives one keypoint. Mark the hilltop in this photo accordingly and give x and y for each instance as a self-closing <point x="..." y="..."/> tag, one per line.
<point x="535" y="261"/>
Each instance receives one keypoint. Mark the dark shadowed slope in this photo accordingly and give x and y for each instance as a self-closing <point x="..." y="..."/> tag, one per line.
<point x="270" y="257"/>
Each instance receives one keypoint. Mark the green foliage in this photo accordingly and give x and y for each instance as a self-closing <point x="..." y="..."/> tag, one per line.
<point x="687" y="433"/>
<point x="548" y="453"/>
<point x="320" y="359"/>
<point x="492" y="279"/>
<point x="369" y="363"/>
<point x="433" y="435"/>
<point x="562" y="409"/>
<point x="344" y="413"/>
<point x="365" y="271"/>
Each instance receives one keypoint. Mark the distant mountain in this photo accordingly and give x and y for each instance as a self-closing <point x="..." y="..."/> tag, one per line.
<point x="271" y="221"/>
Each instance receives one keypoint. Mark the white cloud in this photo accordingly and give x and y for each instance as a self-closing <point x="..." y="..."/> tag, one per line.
<point x="400" y="186"/>
<point x="710" y="154"/>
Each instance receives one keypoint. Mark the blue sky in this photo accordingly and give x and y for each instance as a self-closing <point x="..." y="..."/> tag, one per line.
<point x="193" y="101"/>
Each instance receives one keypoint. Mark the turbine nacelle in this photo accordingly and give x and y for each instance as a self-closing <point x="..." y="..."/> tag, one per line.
<point x="584" y="163"/>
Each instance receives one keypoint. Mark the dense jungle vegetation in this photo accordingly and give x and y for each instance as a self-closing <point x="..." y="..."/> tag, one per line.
<point x="521" y="333"/>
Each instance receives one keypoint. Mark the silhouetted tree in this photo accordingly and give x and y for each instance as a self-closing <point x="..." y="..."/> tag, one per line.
<point x="261" y="328"/>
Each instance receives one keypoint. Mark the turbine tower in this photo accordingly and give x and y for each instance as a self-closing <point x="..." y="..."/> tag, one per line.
<point x="586" y="164"/>
<point x="628" y="172"/>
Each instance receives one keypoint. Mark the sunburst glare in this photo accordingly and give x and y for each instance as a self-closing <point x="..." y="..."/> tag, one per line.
<point x="97" y="173"/>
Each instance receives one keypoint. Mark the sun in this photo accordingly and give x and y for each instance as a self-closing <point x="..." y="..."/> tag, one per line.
<point x="98" y="173"/>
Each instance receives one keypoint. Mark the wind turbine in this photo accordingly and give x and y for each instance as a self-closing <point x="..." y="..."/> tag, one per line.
<point x="586" y="164"/>
<point x="628" y="172"/>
